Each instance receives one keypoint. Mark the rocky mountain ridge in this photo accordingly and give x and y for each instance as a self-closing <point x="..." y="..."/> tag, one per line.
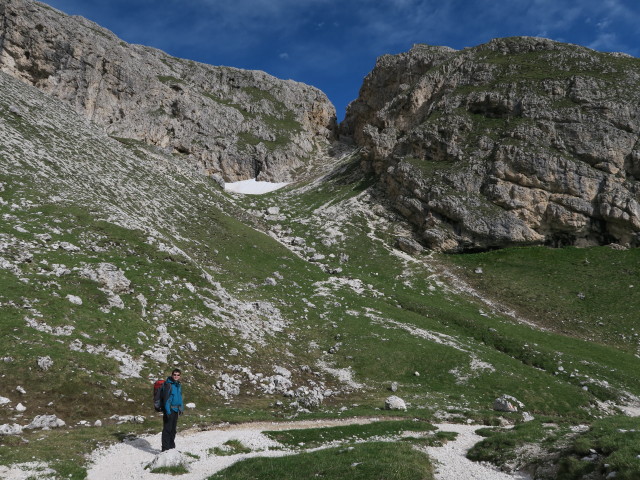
<point x="517" y="141"/>
<point x="236" y="123"/>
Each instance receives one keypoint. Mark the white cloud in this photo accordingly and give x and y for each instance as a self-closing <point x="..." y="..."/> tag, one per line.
<point x="607" y="42"/>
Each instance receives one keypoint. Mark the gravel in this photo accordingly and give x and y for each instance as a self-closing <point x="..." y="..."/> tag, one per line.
<point x="451" y="463"/>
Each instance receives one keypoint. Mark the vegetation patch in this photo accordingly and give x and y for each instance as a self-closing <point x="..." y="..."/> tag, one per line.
<point x="168" y="79"/>
<point x="230" y="447"/>
<point x="365" y="461"/>
<point x="173" y="470"/>
<point x="610" y="445"/>
<point x="315" y="437"/>
<point x="585" y="292"/>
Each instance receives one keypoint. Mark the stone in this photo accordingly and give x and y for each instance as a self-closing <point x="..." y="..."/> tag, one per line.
<point x="507" y="403"/>
<point x="20" y="408"/>
<point x="10" y="429"/>
<point x="169" y="458"/>
<point x="120" y="419"/>
<point x="44" y="363"/>
<point x="395" y="403"/>
<point x="45" y="422"/>
<point x="110" y="277"/>
<point x="408" y="245"/>
<point x="21" y="390"/>
<point x="74" y="299"/>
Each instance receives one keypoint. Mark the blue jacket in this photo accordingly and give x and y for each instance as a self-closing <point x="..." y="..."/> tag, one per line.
<point x="174" y="400"/>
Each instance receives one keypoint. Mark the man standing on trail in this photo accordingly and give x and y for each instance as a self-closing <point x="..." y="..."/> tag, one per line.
<point x="172" y="407"/>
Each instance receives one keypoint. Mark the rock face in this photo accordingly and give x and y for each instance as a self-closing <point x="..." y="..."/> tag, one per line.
<point x="518" y="141"/>
<point x="237" y="123"/>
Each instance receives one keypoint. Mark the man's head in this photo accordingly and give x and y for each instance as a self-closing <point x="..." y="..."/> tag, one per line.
<point x="176" y="374"/>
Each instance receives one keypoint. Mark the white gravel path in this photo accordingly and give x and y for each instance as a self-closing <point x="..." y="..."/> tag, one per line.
<point x="451" y="463"/>
<point x="126" y="460"/>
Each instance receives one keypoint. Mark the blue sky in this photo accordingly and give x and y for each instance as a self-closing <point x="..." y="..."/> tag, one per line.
<point x="333" y="44"/>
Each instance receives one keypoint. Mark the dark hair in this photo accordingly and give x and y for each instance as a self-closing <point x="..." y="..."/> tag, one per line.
<point x="176" y="370"/>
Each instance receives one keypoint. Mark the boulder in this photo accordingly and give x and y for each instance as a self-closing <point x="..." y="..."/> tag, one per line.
<point x="45" y="422"/>
<point x="44" y="363"/>
<point x="110" y="277"/>
<point x="394" y="403"/>
<point x="273" y="211"/>
<point x="408" y="245"/>
<point x="507" y="403"/>
<point x="74" y="299"/>
<point x="169" y="458"/>
<point x="10" y="429"/>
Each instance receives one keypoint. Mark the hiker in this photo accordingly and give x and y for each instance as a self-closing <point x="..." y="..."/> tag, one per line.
<point x="172" y="408"/>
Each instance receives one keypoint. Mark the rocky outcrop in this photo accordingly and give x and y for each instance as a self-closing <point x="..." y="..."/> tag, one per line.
<point x="517" y="141"/>
<point x="238" y="123"/>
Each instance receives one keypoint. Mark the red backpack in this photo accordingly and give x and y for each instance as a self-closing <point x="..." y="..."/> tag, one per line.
<point x="159" y="397"/>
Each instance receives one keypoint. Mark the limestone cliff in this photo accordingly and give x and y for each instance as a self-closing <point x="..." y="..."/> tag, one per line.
<point x="517" y="141"/>
<point x="239" y="123"/>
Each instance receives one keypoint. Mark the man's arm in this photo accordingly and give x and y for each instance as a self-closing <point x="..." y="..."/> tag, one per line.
<point x="166" y="396"/>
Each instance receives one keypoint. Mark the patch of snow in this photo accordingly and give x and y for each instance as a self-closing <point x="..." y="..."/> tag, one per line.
<point x="253" y="187"/>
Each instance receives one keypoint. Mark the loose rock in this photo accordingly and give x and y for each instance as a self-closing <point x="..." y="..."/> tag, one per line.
<point x="395" y="403"/>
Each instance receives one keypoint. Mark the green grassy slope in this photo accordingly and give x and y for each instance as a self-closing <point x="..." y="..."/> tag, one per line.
<point x="323" y="294"/>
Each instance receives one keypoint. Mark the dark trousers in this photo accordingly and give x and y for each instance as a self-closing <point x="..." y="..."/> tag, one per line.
<point x="169" y="429"/>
